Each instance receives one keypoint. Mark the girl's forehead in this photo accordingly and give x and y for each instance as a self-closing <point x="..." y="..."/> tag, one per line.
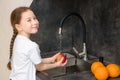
<point x="27" y="14"/>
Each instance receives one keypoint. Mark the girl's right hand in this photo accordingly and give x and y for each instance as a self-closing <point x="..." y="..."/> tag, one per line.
<point x="60" y="63"/>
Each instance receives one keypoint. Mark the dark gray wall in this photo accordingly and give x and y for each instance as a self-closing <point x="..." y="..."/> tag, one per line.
<point x="102" y="20"/>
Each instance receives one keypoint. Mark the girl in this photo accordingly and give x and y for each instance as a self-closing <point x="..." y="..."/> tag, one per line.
<point x="24" y="53"/>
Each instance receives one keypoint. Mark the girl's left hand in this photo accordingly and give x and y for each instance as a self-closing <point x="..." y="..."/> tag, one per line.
<point x="53" y="58"/>
<point x="60" y="63"/>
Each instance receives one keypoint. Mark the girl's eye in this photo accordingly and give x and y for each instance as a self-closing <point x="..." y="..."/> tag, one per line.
<point x="28" y="20"/>
<point x="34" y="18"/>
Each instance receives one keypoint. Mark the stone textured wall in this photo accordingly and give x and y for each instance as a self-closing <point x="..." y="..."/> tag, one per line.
<point x="102" y="20"/>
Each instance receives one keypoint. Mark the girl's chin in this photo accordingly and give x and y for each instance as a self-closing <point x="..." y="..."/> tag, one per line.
<point x="35" y="31"/>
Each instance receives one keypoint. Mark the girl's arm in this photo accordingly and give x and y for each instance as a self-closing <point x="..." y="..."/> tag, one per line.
<point x="50" y="59"/>
<point x="45" y="66"/>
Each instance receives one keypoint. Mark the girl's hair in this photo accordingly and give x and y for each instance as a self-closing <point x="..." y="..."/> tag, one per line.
<point x="15" y="19"/>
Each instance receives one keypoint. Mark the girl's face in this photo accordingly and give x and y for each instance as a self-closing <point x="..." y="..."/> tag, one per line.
<point x="28" y="24"/>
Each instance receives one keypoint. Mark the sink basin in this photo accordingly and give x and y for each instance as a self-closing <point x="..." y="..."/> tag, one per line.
<point x="79" y="66"/>
<point x="74" y="65"/>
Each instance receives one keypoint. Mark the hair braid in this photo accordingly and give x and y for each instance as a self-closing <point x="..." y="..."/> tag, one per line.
<point x="11" y="48"/>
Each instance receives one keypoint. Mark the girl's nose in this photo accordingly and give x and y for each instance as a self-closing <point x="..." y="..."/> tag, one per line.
<point x="35" y="22"/>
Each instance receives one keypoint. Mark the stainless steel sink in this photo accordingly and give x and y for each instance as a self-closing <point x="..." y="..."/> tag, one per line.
<point x="79" y="66"/>
<point x="74" y="65"/>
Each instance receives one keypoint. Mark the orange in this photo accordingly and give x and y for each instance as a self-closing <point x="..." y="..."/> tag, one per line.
<point x="101" y="73"/>
<point x="119" y="67"/>
<point x="113" y="69"/>
<point x="95" y="65"/>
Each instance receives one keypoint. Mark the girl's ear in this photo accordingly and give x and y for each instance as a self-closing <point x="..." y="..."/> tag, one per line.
<point x="18" y="27"/>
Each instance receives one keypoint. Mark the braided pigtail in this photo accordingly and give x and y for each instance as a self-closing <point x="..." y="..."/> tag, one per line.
<point x="11" y="48"/>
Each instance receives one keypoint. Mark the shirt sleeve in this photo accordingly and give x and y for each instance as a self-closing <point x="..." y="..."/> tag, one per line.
<point x="34" y="55"/>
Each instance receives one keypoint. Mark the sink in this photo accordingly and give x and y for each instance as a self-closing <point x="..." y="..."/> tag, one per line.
<point x="79" y="66"/>
<point x="74" y="65"/>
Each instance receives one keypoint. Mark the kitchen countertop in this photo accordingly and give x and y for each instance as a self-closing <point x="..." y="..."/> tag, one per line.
<point x="71" y="71"/>
<point x="85" y="75"/>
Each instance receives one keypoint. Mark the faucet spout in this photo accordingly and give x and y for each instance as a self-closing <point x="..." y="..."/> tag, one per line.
<point x="84" y="52"/>
<point x="81" y="19"/>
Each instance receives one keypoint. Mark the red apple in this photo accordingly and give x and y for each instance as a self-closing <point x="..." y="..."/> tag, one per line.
<point x="60" y="56"/>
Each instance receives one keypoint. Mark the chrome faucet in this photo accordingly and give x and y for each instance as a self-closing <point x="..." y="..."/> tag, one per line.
<point x="82" y="54"/>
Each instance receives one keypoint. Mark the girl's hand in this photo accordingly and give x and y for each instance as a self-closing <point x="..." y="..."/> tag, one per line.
<point x="53" y="58"/>
<point x="60" y="63"/>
